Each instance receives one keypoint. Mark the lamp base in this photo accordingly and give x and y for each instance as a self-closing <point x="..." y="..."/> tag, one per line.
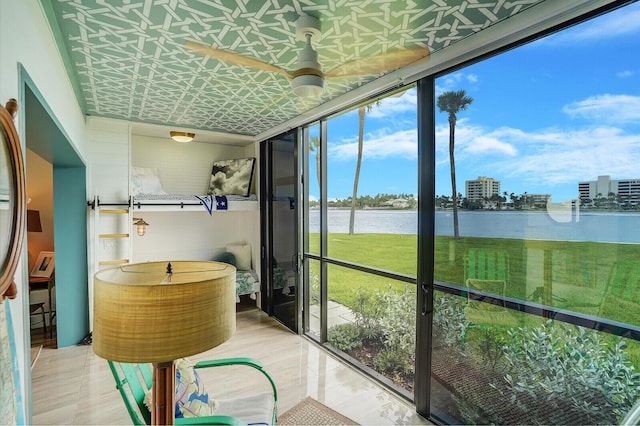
<point x="163" y="393"/>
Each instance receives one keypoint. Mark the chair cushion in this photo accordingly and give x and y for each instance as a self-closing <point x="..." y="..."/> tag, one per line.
<point x="255" y="409"/>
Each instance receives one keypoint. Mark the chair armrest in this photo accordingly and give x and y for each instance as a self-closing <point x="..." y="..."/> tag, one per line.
<point x="210" y="420"/>
<point x="230" y="361"/>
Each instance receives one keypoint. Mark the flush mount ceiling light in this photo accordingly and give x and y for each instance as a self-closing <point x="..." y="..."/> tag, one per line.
<point x="182" y="136"/>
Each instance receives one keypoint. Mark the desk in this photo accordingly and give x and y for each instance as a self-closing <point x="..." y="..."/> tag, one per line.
<point x="41" y="283"/>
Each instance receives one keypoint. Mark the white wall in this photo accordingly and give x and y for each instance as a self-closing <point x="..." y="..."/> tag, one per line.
<point x="25" y="38"/>
<point x="184" y="168"/>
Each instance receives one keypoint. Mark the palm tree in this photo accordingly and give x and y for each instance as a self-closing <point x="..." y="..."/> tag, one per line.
<point x="361" y="113"/>
<point x="314" y="146"/>
<point x="453" y="102"/>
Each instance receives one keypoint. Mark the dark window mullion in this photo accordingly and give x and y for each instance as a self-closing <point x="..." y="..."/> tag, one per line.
<point x="426" y="230"/>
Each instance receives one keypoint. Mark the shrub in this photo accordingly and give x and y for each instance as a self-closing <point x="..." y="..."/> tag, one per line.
<point x="398" y="326"/>
<point x="572" y="368"/>
<point x="345" y="337"/>
<point x="450" y="323"/>
<point x="490" y="346"/>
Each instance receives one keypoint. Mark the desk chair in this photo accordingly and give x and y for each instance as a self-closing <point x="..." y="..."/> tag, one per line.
<point x="33" y="309"/>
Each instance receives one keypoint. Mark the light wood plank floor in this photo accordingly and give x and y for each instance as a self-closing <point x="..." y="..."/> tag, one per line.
<point x="74" y="386"/>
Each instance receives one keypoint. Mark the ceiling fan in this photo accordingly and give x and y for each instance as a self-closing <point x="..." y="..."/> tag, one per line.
<point x="307" y="80"/>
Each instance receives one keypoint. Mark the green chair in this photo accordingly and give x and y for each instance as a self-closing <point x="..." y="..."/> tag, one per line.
<point x="134" y="381"/>
<point x="486" y="270"/>
<point x="621" y="301"/>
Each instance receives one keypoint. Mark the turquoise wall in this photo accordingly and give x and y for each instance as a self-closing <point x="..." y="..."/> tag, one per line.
<point x="70" y="239"/>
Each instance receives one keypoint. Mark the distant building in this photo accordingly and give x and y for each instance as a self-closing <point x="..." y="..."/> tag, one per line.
<point x="537" y="200"/>
<point x="627" y="189"/>
<point x="398" y="203"/>
<point x="481" y="188"/>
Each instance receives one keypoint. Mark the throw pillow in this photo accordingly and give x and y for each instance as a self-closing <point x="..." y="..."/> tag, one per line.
<point x="145" y="181"/>
<point x="191" y="398"/>
<point x="225" y="257"/>
<point x="242" y="253"/>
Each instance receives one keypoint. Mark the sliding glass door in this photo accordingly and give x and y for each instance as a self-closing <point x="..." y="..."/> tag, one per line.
<point x="361" y="236"/>
<point x="280" y="229"/>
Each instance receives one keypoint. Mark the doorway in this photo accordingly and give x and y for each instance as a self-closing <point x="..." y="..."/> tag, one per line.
<point x="46" y="140"/>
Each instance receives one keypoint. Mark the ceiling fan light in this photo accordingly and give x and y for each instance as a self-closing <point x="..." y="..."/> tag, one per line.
<point x="307" y="86"/>
<point x="182" y="136"/>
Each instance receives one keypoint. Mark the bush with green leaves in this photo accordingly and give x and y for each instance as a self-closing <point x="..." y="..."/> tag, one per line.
<point x="398" y="326"/>
<point x="314" y="288"/>
<point x="568" y="368"/>
<point x="386" y="319"/>
<point x="366" y="313"/>
<point x="450" y="324"/>
<point x="345" y="337"/>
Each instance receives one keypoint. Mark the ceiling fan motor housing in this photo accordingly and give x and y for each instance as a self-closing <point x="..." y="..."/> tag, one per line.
<point x="308" y="79"/>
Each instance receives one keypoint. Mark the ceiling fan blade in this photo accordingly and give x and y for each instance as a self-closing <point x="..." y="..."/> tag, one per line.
<point x="380" y="63"/>
<point x="234" y="58"/>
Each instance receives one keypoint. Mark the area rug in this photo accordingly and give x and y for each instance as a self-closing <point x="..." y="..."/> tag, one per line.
<point x="311" y="412"/>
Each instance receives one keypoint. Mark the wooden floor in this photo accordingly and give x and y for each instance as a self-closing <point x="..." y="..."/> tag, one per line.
<point x="74" y="386"/>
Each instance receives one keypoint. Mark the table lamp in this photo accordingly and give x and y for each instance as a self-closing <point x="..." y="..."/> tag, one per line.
<point x="157" y="312"/>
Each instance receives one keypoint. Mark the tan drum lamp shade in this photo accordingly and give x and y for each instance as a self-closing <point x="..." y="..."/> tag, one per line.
<point x="158" y="312"/>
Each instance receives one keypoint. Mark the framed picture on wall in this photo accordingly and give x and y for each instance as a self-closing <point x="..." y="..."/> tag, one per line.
<point x="44" y="265"/>
<point x="232" y="177"/>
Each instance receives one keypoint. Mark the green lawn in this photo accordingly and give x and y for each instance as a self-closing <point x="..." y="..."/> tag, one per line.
<point x="579" y="274"/>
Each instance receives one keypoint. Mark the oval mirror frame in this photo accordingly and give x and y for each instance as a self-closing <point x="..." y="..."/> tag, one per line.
<point x="15" y="166"/>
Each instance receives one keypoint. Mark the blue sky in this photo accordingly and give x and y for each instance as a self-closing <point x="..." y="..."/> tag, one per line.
<point x="545" y="116"/>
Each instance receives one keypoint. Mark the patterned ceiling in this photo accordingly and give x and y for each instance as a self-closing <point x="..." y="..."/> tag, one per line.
<point x="127" y="60"/>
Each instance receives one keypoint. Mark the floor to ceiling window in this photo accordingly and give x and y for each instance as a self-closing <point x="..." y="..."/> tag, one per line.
<point x="539" y="245"/>
<point x="368" y="265"/>
<point x="536" y="219"/>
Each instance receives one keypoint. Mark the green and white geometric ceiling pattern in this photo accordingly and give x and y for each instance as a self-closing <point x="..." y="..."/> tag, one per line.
<point x="127" y="60"/>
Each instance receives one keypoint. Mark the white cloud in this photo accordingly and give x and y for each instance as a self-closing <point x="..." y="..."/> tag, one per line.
<point x="489" y="144"/>
<point x="472" y="141"/>
<point x="393" y="106"/>
<point x="606" y="108"/>
<point x="623" y="21"/>
<point x="554" y="156"/>
<point x="397" y="145"/>
<point x="452" y="81"/>
<point x="625" y="74"/>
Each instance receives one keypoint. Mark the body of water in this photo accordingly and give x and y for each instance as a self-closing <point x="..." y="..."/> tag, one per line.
<point x="619" y="227"/>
